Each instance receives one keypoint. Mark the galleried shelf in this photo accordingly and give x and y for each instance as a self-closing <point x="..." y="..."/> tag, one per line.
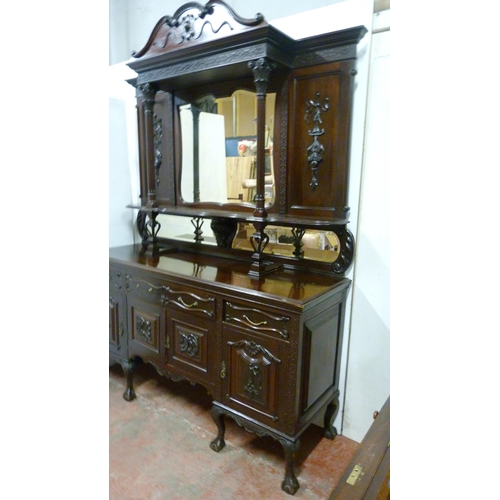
<point x="247" y="131"/>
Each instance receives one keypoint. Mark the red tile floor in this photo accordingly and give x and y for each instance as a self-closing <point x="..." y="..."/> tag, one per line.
<point x="159" y="449"/>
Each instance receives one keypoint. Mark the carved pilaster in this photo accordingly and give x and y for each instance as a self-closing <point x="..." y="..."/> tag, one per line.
<point x="148" y="91"/>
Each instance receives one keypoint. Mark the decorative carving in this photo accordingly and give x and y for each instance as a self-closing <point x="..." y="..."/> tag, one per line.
<point x="254" y="383"/>
<point x="197" y="223"/>
<point x="188" y="23"/>
<point x="177" y="69"/>
<point x="298" y="234"/>
<point x="253" y="349"/>
<point x="148" y="92"/>
<point x="224" y="231"/>
<point x="190" y="344"/>
<point x="283" y="148"/>
<point x="261" y="71"/>
<point x="346" y="256"/>
<point x="158" y="134"/>
<point x="144" y="330"/>
<point x="316" y="149"/>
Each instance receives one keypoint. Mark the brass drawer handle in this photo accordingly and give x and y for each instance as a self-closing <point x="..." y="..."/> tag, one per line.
<point x="194" y="304"/>
<point x="252" y="323"/>
<point x="223" y="370"/>
<point x="167" y="342"/>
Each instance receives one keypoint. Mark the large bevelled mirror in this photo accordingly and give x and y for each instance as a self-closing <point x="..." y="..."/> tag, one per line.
<point x="219" y="148"/>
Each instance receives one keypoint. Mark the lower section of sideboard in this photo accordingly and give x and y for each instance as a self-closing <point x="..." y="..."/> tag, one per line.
<point x="270" y="363"/>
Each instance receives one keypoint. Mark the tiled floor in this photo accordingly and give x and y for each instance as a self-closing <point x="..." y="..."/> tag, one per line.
<point x="159" y="449"/>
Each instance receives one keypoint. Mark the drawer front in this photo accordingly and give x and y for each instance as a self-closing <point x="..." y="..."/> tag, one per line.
<point x="196" y="303"/>
<point x="258" y="320"/>
<point x="145" y="287"/>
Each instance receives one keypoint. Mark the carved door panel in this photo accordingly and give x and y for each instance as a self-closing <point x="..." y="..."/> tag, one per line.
<point x="254" y="369"/>
<point x="318" y="128"/>
<point x="189" y="344"/>
<point x="146" y="325"/>
<point x="116" y="322"/>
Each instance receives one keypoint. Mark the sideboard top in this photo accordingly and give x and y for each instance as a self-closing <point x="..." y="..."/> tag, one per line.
<point x="291" y="286"/>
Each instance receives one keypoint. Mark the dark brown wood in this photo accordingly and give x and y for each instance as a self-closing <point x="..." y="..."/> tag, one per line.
<point x="262" y="333"/>
<point x="373" y="456"/>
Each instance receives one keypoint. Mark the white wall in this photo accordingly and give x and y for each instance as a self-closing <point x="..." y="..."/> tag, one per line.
<point x="368" y="377"/>
<point x="123" y="156"/>
<point x="364" y="385"/>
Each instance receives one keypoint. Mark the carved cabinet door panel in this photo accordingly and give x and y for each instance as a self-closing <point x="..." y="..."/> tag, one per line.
<point x="189" y="347"/>
<point x="254" y="374"/>
<point x="146" y="325"/>
<point x="318" y="134"/>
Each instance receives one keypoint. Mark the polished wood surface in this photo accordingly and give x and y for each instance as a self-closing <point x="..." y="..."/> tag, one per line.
<point x="291" y="286"/>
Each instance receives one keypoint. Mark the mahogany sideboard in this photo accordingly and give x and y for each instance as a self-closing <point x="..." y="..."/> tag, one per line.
<point x="256" y="320"/>
<point x="268" y="351"/>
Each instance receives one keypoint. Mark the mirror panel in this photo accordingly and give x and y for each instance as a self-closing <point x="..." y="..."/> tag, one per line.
<point x="322" y="246"/>
<point x="219" y="145"/>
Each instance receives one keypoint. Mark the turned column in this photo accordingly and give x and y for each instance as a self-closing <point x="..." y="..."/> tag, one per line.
<point x="261" y="70"/>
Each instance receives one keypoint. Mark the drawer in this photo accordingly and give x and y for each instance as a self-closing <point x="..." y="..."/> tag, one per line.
<point x="194" y="302"/>
<point x="144" y="287"/>
<point x="257" y="320"/>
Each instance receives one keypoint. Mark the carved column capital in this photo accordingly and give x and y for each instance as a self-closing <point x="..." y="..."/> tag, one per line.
<point x="261" y="71"/>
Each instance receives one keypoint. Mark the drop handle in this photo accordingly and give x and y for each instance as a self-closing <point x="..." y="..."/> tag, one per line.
<point x="194" y="304"/>
<point x="252" y="323"/>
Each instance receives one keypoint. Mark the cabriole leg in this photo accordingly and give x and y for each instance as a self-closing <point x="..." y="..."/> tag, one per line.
<point x="330" y="431"/>
<point x="218" y="417"/>
<point x="128" y="368"/>
<point x="290" y="484"/>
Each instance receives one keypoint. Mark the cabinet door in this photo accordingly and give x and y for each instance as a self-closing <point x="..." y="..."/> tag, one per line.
<point x="146" y="325"/>
<point x="254" y="372"/>
<point x="189" y="344"/>
<point x="116" y="322"/>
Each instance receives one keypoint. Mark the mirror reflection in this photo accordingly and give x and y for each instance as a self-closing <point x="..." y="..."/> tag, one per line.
<point x="219" y="146"/>
<point x="322" y="246"/>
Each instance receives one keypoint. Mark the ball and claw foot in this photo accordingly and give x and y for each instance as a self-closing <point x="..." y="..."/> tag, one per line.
<point x="290" y="485"/>
<point x="217" y="444"/>
<point x="129" y="394"/>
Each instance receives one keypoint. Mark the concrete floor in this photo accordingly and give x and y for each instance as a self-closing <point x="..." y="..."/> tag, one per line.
<point x="159" y="449"/>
